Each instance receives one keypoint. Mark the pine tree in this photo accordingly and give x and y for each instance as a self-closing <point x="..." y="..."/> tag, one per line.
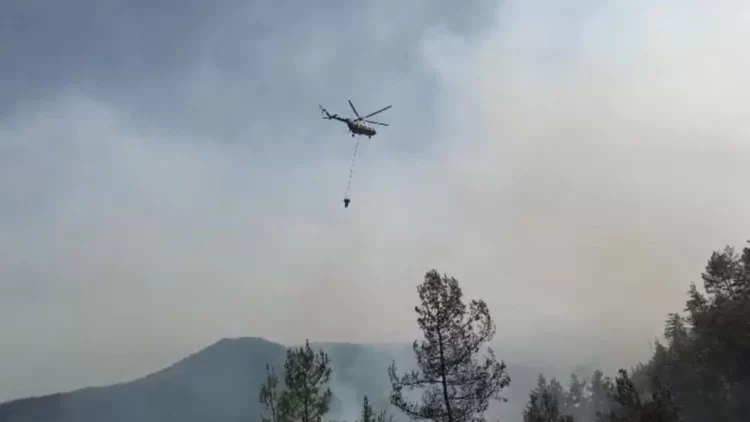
<point x="600" y="389"/>
<point x="629" y="406"/>
<point x="575" y="400"/>
<point x="269" y="395"/>
<point x="367" y="411"/>
<point x="457" y="388"/>
<point x="543" y="405"/>
<point x="368" y="414"/>
<point x="556" y="390"/>
<point x="306" y="397"/>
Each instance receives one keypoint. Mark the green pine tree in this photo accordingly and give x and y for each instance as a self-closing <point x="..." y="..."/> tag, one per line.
<point x="306" y="373"/>
<point x="305" y="398"/>
<point x="458" y="386"/>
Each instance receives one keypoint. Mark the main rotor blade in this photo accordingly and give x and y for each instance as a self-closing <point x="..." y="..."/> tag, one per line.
<point x="355" y="110"/>
<point x="379" y="111"/>
<point x="377" y="123"/>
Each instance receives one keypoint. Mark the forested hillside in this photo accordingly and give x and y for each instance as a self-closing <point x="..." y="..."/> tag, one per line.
<point x="699" y="372"/>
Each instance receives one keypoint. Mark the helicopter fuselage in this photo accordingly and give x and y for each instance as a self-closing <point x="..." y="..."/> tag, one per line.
<point x="357" y="127"/>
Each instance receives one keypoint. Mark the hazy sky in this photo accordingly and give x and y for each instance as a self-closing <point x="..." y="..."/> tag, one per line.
<point x="166" y="179"/>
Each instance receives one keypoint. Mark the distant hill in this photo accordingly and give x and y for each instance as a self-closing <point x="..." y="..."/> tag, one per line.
<point x="221" y="384"/>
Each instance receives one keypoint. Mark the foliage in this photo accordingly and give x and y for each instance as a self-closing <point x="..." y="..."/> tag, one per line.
<point x="600" y="399"/>
<point x="456" y="387"/>
<point x="305" y="398"/>
<point x="629" y="406"/>
<point x="582" y="401"/>
<point x="544" y="405"/>
<point x="701" y="371"/>
<point x="706" y="355"/>
<point x="600" y="389"/>
<point x="368" y="414"/>
<point x="269" y="395"/>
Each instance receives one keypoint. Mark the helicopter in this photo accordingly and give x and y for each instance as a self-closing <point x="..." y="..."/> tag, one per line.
<point x="356" y="126"/>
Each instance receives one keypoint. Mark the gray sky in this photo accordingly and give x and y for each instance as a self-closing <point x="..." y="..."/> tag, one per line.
<point x="166" y="179"/>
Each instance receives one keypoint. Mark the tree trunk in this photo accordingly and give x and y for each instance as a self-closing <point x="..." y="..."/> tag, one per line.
<point x="443" y="374"/>
<point x="305" y="407"/>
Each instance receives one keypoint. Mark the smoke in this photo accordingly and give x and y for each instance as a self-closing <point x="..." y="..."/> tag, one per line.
<point x="591" y="157"/>
<point x="574" y="167"/>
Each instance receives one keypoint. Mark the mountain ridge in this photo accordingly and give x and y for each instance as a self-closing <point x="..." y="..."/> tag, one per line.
<point x="221" y="382"/>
